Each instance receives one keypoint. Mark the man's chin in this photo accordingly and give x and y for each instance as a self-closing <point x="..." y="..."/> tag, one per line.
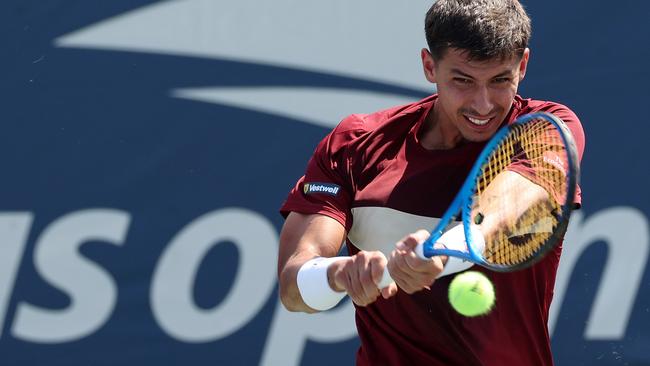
<point x="473" y="136"/>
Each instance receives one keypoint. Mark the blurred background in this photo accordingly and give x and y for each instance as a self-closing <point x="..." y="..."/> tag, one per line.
<point x="146" y="147"/>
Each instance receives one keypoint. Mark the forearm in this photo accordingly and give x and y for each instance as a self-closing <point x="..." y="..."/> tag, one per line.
<point x="289" y="292"/>
<point x="505" y="200"/>
<point x="303" y="238"/>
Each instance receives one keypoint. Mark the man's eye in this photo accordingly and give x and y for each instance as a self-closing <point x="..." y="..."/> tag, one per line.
<point x="501" y="80"/>
<point x="463" y="80"/>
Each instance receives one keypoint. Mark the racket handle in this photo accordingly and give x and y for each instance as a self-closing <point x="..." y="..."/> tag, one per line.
<point x="419" y="251"/>
<point x="386" y="280"/>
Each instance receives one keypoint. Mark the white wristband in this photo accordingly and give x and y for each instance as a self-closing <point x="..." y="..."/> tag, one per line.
<point x="454" y="239"/>
<point x="313" y="285"/>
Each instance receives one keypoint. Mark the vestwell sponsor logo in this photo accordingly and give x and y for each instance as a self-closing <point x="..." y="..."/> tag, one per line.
<point x="326" y="188"/>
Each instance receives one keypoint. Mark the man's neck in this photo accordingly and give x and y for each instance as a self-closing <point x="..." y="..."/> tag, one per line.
<point x="438" y="133"/>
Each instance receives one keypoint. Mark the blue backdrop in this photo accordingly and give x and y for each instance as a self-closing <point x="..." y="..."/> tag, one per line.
<point x="146" y="147"/>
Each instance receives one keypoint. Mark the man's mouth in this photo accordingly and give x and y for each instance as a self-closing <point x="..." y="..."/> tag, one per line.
<point x="479" y="121"/>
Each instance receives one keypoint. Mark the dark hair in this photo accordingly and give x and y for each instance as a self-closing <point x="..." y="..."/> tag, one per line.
<point x="485" y="29"/>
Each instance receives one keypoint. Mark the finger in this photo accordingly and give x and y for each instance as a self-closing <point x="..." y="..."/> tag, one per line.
<point x="377" y="265"/>
<point x="341" y="279"/>
<point x="417" y="264"/>
<point x="409" y="261"/>
<point x="402" y="274"/>
<point x="336" y="276"/>
<point x="355" y="291"/>
<point x="364" y="290"/>
<point x="414" y="262"/>
<point x="389" y="291"/>
<point x="423" y="271"/>
<point x="412" y="240"/>
<point x="411" y="273"/>
<point x="409" y="284"/>
<point x="368" y="286"/>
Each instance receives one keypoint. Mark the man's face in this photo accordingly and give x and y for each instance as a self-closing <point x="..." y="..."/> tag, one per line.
<point x="474" y="97"/>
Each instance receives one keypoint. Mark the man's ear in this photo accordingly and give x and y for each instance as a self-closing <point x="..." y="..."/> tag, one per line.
<point x="523" y="64"/>
<point x="428" y="65"/>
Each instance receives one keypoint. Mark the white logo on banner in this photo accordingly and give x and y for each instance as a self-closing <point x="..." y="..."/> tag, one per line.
<point x="93" y="291"/>
<point x="337" y="37"/>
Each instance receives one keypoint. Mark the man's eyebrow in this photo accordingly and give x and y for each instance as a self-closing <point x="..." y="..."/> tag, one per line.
<point x="457" y="71"/>
<point x="502" y="74"/>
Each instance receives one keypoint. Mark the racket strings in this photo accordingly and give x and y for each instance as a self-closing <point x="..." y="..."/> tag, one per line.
<point x="536" y="151"/>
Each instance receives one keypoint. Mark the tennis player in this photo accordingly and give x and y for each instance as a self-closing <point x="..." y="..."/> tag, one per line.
<point x="378" y="178"/>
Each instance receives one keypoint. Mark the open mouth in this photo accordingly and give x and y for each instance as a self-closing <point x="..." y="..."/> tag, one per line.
<point x="478" y="122"/>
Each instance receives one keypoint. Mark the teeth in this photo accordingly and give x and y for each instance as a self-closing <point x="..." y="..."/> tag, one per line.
<point x="479" y="122"/>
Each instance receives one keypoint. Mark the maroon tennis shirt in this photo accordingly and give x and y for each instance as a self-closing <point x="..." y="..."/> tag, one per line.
<point x="372" y="175"/>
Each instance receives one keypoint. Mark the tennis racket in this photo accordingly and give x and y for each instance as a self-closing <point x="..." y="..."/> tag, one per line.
<point x="539" y="147"/>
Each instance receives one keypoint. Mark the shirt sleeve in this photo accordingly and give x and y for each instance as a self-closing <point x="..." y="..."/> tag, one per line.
<point x="326" y="187"/>
<point x="575" y="127"/>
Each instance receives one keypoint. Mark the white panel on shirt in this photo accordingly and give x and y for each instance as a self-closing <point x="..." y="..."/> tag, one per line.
<point x="379" y="228"/>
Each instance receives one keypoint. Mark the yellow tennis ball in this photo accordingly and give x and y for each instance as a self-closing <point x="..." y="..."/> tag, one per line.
<point x="471" y="293"/>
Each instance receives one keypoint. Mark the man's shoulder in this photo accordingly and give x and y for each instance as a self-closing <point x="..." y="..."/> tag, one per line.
<point x="559" y="110"/>
<point x="362" y="123"/>
<point x="526" y="106"/>
<point x="370" y="121"/>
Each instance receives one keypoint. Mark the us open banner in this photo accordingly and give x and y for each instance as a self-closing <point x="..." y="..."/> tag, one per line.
<point x="147" y="146"/>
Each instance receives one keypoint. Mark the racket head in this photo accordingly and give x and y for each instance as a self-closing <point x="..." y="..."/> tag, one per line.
<point x="539" y="147"/>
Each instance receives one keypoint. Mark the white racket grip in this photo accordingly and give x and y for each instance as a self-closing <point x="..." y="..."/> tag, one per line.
<point x="454" y="239"/>
<point x="386" y="279"/>
<point x="419" y="251"/>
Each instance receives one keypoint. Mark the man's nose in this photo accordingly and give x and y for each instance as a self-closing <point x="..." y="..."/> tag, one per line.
<point x="482" y="103"/>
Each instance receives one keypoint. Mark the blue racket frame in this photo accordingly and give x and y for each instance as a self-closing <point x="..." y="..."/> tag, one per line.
<point x="463" y="200"/>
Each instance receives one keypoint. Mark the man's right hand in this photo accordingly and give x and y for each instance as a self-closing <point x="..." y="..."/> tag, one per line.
<point x="408" y="270"/>
<point x="359" y="275"/>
